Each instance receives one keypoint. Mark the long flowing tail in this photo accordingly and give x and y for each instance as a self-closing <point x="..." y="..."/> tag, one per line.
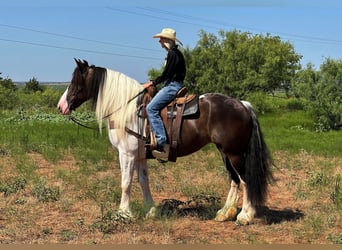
<point x="258" y="163"/>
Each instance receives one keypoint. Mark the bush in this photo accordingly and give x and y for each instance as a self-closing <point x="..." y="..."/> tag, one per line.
<point x="45" y="194"/>
<point x="8" y="98"/>
<point x="322" y="89"/>
<point x="295" y="104"/>
<point x="259" y="102"/>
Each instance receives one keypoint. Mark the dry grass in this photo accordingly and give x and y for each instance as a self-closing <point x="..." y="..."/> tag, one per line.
<point x="300" y="206"/>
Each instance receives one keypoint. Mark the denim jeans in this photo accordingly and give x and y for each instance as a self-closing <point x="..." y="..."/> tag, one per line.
<point x="161" y="99"/>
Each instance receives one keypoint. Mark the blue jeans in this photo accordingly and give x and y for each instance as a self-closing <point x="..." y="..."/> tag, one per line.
<point x="161" y="99"/>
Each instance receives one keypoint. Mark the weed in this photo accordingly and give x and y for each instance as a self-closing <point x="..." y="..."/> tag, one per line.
<point x="318" y="179"/>
<point x="335" y="238"/>
<point x="4" y="151"/>
<point x="316" y="224"/>
<point x="45" y="194"/>
<point x="13" y="187"/>
<point x="112" y="221"/>
<point x="301" y="193"/>
<point x="67" y="235"/>
<point x="25" y="166"/>
<point x="336" y="195"/>
<point x="103" y="190"/>
<point x="20" y="201"/>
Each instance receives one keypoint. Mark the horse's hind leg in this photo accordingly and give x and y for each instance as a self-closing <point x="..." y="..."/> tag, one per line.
<point x="234" y="165"/>
<point x="236" y="168"/>
<point x="229" y="210"/>
<point x="248" y="211"/>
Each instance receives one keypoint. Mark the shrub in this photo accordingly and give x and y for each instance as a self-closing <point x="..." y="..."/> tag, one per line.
<point x="13" y="187"/>
<point x="322" y="89"/>
<point x="45" y="194"/>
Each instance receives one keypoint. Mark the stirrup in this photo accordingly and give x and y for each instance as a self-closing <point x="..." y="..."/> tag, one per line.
<point x="153" y="142"/>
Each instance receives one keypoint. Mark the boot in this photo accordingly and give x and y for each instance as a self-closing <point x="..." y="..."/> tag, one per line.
<point x="161" y="151"/>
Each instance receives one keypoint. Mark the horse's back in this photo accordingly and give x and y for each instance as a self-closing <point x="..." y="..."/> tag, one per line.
<point x="222" y="120"/>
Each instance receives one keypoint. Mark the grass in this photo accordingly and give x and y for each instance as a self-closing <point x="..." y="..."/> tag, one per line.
<point x="52" y="139"/>
<point x="61" y="183"/>
<point x="294" y="131"/>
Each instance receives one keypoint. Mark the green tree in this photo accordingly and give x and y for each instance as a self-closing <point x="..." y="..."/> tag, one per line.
<point x="8" y="93"/>
<point x="322" y="91"/>
<point x="8" y="84"/>
<point x="305" y="82"/>
<point x="238" y="63"/>
<point x="154" y="73"/>
<point x="33" y="85"/>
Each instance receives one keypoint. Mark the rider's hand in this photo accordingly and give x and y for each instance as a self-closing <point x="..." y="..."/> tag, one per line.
<point x="148" y="84"/>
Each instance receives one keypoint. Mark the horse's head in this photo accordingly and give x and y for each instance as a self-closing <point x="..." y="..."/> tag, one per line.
<point x="79" y="89"/>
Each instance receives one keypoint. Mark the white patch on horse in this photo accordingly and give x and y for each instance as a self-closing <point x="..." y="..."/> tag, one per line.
<point x="247" y="104"/>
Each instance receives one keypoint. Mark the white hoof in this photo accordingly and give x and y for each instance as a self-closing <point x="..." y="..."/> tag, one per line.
<point x="126" y="215"/>
<point x="244" y="218"/>
<point x="152" y="213"/>
<point x="225" y="214"/>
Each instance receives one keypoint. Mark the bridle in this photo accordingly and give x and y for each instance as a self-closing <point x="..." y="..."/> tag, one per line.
<point x="82" y="123"/>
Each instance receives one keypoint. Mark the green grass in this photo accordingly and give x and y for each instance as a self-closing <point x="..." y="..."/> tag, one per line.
<point x="294" y="131"/>
<point x="52" y="139"/>
<point x="92" y="178"/>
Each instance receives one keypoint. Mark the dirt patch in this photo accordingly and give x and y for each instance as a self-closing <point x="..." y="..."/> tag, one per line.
<point x="296" y="210"/>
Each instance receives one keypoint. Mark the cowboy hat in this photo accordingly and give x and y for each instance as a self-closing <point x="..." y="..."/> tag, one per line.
<point x="169" y="34"/>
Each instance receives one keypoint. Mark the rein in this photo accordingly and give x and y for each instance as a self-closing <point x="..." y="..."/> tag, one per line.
<point x="82" y="123"/>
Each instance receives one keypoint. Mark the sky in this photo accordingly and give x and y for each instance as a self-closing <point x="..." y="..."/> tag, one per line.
<point x="40" y="38"/>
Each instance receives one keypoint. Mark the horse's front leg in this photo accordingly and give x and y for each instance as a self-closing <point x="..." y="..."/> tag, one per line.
<point x="144" y="182"/>
<point x="127" y="161"/>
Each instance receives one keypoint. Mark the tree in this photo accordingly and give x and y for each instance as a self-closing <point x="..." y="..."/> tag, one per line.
<point x="238" y="63"/>
<point x="8" y="93"/>
<point x="8" y="84"/>
<point x="33" y="85"/>
<point x="305" y="82"/>
<point x="323" y="91"/>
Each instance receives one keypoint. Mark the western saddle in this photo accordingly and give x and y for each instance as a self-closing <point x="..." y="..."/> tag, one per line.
<point x="184" y="106"/>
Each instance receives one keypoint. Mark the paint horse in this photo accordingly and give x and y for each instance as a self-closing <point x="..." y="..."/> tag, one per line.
<point x="228" y="123"/>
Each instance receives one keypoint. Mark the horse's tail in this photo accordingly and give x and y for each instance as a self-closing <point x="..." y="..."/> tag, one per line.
<point x="258" y="162"/>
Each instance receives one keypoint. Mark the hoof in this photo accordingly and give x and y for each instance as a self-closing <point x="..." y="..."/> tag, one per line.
<point x="152" y="213"/>
<point x="227" y="214"/>
<point x="124" y="215"/>
<point x="244" y="219"/>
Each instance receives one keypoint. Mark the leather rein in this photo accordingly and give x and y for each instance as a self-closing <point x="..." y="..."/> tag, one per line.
<point x="82" y="123"/>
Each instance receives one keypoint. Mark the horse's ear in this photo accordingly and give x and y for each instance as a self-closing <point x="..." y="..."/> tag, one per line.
<point x="82" y="65"/>
<point x="85" y="63"/>
<point x="78" y="62"/>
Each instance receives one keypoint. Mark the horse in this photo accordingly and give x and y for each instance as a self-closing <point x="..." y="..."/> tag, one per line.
<point x="230" y="124"/>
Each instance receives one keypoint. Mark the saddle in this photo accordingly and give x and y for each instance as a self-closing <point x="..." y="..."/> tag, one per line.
<point x="184" y="106"/>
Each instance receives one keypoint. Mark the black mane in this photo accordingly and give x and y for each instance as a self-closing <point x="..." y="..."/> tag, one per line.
<point x="98" y="77"/>
<point x="94" y="80"/>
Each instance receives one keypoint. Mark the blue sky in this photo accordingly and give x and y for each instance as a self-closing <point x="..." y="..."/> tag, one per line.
<point x="40" y="38"/>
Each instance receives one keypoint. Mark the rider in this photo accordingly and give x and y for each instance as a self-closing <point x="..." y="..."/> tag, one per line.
<point x="173" y="76"/>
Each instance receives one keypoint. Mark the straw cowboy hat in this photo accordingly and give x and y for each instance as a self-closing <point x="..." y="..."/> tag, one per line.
<point x="169" y="34"/>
